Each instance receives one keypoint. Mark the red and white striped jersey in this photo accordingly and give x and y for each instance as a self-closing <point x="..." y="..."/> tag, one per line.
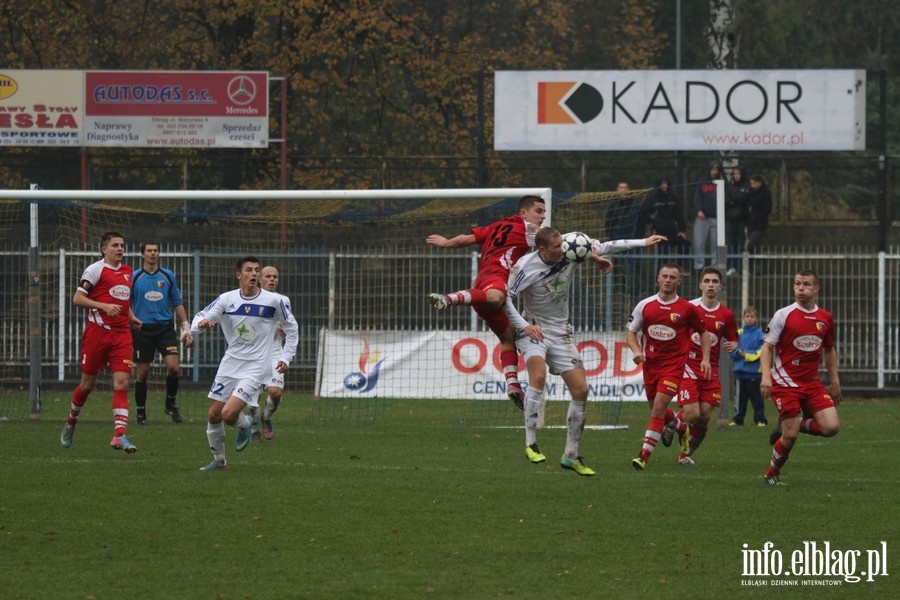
<point x="105" y="283"/>
<point x="799" y="336"/>
<point x="666" y="328"/>
<point x="721" y="326"/>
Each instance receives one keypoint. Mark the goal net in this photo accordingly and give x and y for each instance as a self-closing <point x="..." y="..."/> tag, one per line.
<point x="357" y="269"/>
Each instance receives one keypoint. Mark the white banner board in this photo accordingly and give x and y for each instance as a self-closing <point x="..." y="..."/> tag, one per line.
<point x="177" y="109"/>
<point x="458" y="365"/>
<point x="162" y="109"/>
<point x="680" y="110"/>
<point x="41" y="108"/>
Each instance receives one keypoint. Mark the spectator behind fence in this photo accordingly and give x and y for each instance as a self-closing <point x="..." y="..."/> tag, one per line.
<point x="705" y="239"/>
<point x="737" y="192"/>
<point x="622" y="214"/>
<point x="663" y="211"/>
<point x="759" y="204"/>
<point x="621" y="224"/>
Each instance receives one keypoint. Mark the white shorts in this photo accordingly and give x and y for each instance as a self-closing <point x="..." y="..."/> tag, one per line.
<point x="558" y="350"/>
<point x="277" y="379"/>
<point x="224" y="388"/>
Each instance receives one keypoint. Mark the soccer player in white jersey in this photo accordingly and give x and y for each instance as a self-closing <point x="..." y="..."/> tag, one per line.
<point x="248" y="316"/>
<point x="544" y="335"/>
<point x="275" y="387"/>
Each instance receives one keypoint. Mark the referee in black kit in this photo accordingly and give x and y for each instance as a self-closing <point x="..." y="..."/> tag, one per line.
<point x="154" y="295"/>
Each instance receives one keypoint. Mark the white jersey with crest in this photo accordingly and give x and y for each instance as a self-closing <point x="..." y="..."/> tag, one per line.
<point x="544" y="288"/>
<point x="248" y="324"/>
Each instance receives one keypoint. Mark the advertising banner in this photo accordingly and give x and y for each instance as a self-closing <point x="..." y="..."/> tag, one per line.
<point x="458" y="365"/>
<point x="41" y="108"/>
<point x="177" y="109"/>
<point x="680" y="110"/>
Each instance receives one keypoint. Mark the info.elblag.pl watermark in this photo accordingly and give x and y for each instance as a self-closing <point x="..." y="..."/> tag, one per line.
<point x="814" y="564"/>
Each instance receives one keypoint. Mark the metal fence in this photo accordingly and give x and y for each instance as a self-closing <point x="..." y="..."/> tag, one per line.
<point x="386" y="290"/>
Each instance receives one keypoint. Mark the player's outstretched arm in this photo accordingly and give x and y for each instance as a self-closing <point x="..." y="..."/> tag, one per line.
<point x="466" y="239"/>
<point x="655" y="239"/>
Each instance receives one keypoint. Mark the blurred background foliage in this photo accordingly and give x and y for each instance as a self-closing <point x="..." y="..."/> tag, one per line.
<point x="384" y="93"/>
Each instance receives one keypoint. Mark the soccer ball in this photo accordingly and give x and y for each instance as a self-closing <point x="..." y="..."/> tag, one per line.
<point x="576" y="246"/>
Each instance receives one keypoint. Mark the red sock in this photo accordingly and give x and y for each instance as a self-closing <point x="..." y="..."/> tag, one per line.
<point x="698" y="432"/>
<point x="779" y="457"/>
<point x="467" y="297"/>
<point x="509" y="361"/>
<point x="682" y="426"/>
<point x="120" y="410"/>
<point x="810" y="426"/>
<point x="78" y="400"/>
<point x="651" y="437"/>
<point x="670" y="415"/>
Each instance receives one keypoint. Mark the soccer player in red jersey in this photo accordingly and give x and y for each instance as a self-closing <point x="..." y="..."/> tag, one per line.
<point x="797" y="337"/>
<point x="104" y="292"/>
<point x="502" y="244"/>
<point x="666" y="322"/>
<point x="698" y="395"/>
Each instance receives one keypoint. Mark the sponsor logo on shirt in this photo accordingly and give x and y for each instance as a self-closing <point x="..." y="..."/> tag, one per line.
<point x="713" y="338"/>
<point x="153" y="296"/>
<point x="120" y="292"/>
<point x="661" y="332"/>
<point x="808" y="343"/>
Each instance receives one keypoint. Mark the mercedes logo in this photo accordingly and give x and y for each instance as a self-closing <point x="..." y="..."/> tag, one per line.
<point x="241" y="90"/>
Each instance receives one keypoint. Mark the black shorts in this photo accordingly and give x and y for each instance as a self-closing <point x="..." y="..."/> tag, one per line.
<point x="150" y="338"/>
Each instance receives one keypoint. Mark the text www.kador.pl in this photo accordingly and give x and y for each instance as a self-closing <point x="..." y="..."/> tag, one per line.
<point x="756" y="139"/>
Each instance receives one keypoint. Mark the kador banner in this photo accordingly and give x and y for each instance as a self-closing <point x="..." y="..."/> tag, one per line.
<point x="680" y="110"/>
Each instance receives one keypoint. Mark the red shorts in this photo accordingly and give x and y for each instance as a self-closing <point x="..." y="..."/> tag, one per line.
<point x="809" y="399"/>
<point x="101" y="347"/>
<point x="493" y="279"/>
<point x="663" y="381"/>
<point x="695" y="391"/>
<point x="494" y="316"/>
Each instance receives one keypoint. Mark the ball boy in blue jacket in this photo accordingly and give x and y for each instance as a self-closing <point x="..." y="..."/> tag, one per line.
<point x="746" y="369"/>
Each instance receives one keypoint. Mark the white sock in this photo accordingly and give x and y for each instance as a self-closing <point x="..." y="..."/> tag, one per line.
<point x="243" y="421"/>
<point x="271" y="407"/>
<point x="254" y="413"/>
<point x="216" y="436"/>
<point x="574" y="427"/>
<point x="532" y="415"/>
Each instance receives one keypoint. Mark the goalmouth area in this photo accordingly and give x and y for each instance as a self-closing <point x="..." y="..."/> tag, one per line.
<point x="357" y="269"/>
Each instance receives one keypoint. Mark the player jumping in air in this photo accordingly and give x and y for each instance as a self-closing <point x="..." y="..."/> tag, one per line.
<point x="502" y="244"/>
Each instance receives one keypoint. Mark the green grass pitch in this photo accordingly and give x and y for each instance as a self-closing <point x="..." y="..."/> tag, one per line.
<point x="412" y="503"/>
